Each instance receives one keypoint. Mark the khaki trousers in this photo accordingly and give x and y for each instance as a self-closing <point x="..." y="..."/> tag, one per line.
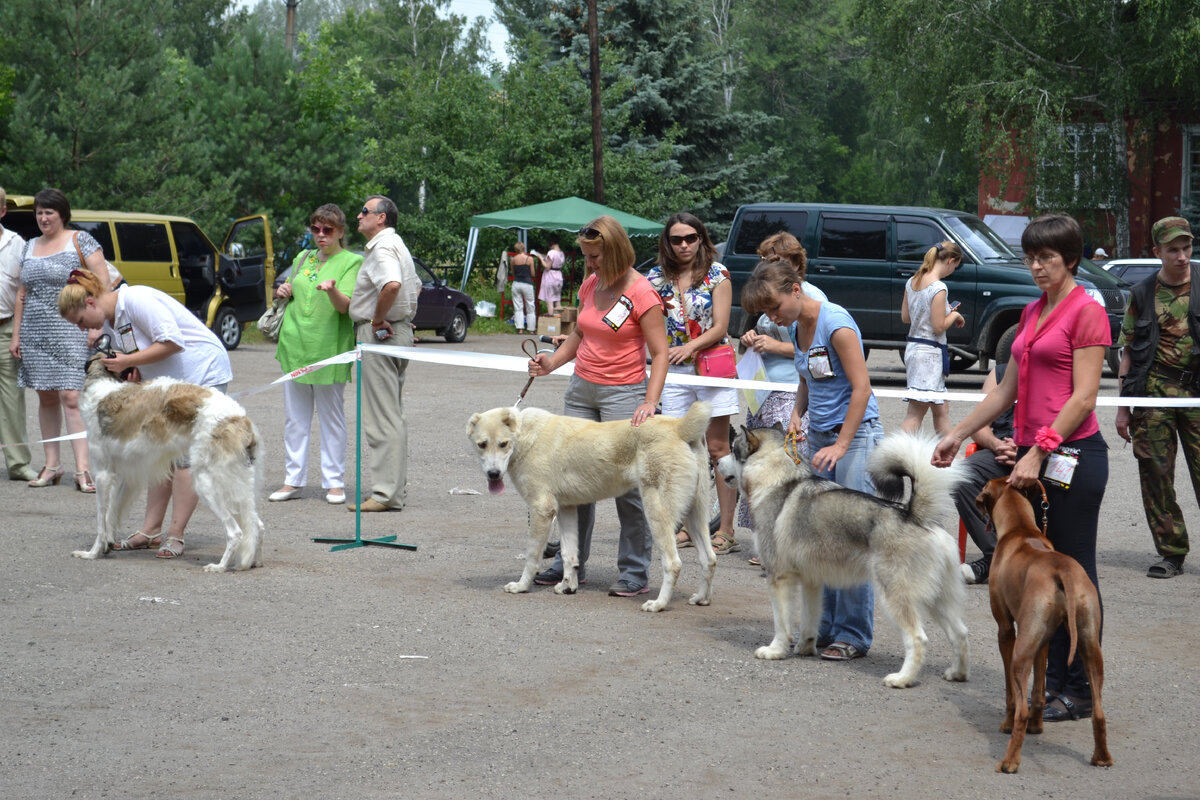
<point x="12" y="406"/>
<point x="383" y="423"/>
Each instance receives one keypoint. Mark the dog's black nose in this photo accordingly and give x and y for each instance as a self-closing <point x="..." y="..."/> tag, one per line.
<point x="493" y="474"/>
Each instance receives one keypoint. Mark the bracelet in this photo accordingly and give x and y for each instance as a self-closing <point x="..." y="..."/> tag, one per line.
<point x="1047" y="439"/>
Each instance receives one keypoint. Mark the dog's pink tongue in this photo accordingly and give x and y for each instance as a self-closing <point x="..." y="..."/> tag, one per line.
<point x="496" y="486"/>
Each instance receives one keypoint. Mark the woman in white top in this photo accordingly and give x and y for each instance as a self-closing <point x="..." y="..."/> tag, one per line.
<point x="160" y="339"/>
<point x="926" y="359"/>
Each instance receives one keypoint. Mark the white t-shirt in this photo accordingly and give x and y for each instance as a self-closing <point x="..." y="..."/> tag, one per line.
<point x="145" y="315"/>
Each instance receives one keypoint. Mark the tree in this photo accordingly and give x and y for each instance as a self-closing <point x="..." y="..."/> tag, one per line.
<point x="1057" y="93"/>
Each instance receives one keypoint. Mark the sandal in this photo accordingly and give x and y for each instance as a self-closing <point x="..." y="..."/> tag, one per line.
<point x="172" y="547"/>
<point x="840" y="651"/>
<point x="683" y="539"/>
<point x="727" y="544"/>
<point x="1070" y="710"/>
<point x="1167" y="568"/>
<point x="146" y="543"/>
<point x="754" y="561"/>
<point x="49" y="476"/>
<point x="84" y="483"/>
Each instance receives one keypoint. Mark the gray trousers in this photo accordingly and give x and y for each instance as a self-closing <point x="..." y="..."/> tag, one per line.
<point x="383" y="423"/>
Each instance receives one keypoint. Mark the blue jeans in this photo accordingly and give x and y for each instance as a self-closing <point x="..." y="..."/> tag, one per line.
<point x="603" y="403"/>
<point x="848" y="615"/>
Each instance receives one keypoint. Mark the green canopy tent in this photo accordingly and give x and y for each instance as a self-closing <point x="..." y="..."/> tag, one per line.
<point x="567" y="214"/>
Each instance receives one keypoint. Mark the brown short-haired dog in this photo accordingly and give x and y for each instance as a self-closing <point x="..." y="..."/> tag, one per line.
<point x="1038" y="589"/>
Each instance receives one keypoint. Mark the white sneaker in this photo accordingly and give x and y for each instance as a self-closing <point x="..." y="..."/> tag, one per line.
<point x="283" y="494"/>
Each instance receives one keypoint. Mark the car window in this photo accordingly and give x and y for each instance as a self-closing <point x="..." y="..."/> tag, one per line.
<point x="143" y="241"/>
<point x="859" y="238"/>
<point x="913" y="239"/>
<point x="189" y="242"/>
<point x="100" y="232"/>
<point x="758" y="225"/>
<point x="248" y="239"/>
<point x="423" y="272"/>
<point x="980" y="239"/>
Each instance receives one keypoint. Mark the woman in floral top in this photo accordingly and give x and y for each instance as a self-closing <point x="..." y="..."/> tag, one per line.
<point x="697" y="298"/>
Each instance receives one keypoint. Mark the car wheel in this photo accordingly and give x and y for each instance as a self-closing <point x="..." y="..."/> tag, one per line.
<point x="227" y="328"/>
<point x="456" y="331"/>
<point x="1004" y="346"/>
<point x="1113" y="357"/>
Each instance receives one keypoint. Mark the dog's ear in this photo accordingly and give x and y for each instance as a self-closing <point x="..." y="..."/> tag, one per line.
<point x="753" y="441"/>
<point x="471" y="423"/>
<point x="511" y="418"/>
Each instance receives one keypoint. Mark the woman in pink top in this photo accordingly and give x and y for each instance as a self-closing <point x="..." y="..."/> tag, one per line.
<point x="1054" y="377"/>
<point x="620" y="318"/>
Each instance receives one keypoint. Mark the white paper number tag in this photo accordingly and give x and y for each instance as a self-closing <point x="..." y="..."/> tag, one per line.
<point x="818" y="363"/>
<point x="1060" y="466"/>
<point x="128" y="343"/>
<point x="620" y="312"/>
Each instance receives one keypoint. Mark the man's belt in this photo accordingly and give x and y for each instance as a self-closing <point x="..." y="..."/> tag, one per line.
<point x="5" y="320"/>
<point x="1183" y="377"/>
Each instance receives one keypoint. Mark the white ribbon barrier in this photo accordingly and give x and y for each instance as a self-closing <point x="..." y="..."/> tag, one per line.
<point x="521" y="364"/>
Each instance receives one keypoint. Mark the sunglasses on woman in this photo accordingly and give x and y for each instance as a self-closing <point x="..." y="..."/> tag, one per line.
<point x="590" y="234"/>
<point x="690" y="238"/>
<point x="325" y="230"/>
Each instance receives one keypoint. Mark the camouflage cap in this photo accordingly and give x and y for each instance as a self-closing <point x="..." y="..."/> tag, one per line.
<point x="1169" y="228"/>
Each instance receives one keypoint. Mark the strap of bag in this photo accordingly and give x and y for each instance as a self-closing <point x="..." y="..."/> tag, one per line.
<point x="78" y="252"/>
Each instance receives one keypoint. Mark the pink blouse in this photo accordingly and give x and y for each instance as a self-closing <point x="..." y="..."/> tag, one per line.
<point x="1045" y="361"/>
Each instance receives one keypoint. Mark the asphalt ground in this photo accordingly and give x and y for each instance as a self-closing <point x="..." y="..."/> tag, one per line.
<point x="378" y="673"/>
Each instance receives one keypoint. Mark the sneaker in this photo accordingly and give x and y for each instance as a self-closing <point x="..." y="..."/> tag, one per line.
<point x="623" y="588"/>
<point x="553" y="577"/>
<point x="977" y="571"/>
<point x="551" y="549"/>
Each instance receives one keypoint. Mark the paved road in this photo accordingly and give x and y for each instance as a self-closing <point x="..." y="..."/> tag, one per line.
<point x="378" y="673"/>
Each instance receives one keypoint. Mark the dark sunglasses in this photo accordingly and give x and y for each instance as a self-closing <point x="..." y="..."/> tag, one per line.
<point x="590" y="234"/>
<point x="327" y="230"/>
<point x="690" y="238"/>
<point x="366" y="210"/>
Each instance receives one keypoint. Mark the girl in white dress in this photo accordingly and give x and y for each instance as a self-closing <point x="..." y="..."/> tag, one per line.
<point x="929" y="314"/>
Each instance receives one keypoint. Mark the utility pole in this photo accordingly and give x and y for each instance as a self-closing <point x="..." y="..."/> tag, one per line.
<point x="593" y="30"/>
<point x="290" y="34"/>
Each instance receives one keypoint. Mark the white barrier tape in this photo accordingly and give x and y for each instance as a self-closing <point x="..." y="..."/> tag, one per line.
<point x="521" y="364"/>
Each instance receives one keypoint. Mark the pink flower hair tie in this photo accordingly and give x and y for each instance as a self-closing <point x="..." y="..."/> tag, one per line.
<point x="1048" y="439"/>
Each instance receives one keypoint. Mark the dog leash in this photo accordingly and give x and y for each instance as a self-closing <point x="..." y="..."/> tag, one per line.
<point x="527" y="346"/>
<point x="1045" y="507"/>
<point x="791" y="445"/>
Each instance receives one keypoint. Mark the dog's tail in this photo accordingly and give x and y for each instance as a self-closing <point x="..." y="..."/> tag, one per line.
<point x="694" y="423"/>
<point x="1066" y="584"/>
<point x="901" y="470"/>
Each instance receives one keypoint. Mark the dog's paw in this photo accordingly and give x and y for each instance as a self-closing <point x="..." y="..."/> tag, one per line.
<point x="771" y="652"/>
<point x="88" y="554"/>
<point x="700" y="599"/>
<point x="653" y="605"/>
<point x="898" y="680"/>
<point x="806" y="648"/>
<point x="215" y="567"/>
<point x="516" y="587"/>
<point x="1008" y="767"/>
<point x="952" y="674"/>
<point x="564" y="587"/>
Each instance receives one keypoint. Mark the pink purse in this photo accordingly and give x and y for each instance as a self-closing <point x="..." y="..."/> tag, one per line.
<point x="717" y="362"/>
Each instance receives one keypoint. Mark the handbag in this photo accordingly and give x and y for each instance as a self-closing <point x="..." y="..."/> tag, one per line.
<point x="272" y="320"/>
<point x="717" y="362"/>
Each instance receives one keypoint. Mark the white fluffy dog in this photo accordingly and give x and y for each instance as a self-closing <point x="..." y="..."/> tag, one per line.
<point x="558" y="463"/>
<point x="136" y="431"/>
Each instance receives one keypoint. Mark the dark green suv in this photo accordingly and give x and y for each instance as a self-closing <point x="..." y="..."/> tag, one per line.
<point x="862" y="256"/>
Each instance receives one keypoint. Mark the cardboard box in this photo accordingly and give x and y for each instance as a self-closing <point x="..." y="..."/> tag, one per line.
<point x="554" y="326"/>
<point x="570" y="314"/>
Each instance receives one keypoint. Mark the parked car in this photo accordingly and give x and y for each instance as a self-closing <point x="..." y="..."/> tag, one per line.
<point x="225" y="288"/>
<point x="862" y="256"/>
<point x="440" y="308"/>
<point x="1135" y="270"/>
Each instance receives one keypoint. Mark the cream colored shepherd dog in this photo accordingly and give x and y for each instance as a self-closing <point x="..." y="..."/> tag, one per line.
<point x="811" y="532"/>
<point x="558" y="463"/>
<point x="136" y="431"/>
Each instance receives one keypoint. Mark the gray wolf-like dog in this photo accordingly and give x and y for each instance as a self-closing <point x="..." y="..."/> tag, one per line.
<point x="811" y="532"/>
<point x="1033" y="591"/>
<point x="558" y="463"/>
<point x="136" y="431"/>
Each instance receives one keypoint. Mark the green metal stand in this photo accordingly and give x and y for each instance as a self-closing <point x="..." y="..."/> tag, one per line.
<point x="358" y="541"/>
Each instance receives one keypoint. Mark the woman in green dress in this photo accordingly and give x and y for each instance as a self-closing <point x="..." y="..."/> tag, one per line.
<point x="316" y="326"/>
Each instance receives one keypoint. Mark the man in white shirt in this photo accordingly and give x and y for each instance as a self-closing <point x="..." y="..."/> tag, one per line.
<point x="12" y="397"/>
<point x="382" y="308"/>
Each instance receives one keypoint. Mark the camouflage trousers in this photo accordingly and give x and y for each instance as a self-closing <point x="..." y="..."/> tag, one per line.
<point x="1158" y="434"/>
